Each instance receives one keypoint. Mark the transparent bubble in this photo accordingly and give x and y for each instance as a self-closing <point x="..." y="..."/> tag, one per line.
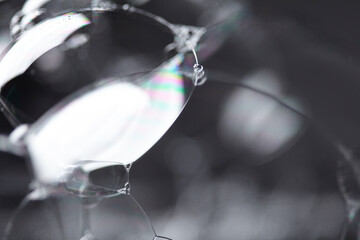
<point x="217" y="192"/>
<point x="119" y="115"/>
<point x="266" y="187"/>
<point x="65" y="216"/>
<point x="116" y="122"/>
<point x="101" y="102"/>
<point x="79" y="146"/>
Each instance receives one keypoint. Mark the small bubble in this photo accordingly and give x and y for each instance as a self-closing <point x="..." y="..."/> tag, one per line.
<point x="128" y="167"/>
<point x="200" y="77"/>
<point x="125" y="7"/>
<point x="127" y="188"/>
<point x="198" y="68"/>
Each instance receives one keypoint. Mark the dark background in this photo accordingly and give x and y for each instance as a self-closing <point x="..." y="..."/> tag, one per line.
<point x="201" y="181"/>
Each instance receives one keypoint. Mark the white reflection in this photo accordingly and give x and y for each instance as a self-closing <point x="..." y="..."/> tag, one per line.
<point x="255" y="122"/>
<point x="77" y="40"/>
<point x="75" y="132"/>
<point x="4" y="39"/>
<point x="32" y="5"/>
<point x="27" y="19"/>
<point x="50" y="34"/>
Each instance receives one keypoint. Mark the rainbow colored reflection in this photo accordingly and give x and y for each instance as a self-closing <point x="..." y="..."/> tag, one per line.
<point x="168" y="91"/>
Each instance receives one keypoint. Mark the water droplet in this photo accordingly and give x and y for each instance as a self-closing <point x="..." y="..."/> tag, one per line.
<point x="128" y="167"/>
<point x="200" y="76"/>
<point x="198" y="68"/>
<point x="127" y="186"/>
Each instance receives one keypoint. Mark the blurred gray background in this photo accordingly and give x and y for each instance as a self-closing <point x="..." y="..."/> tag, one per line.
<point x="237" y="164"/>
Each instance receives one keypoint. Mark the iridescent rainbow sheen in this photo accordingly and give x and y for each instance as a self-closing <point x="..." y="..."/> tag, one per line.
<point x="166" y="89"/>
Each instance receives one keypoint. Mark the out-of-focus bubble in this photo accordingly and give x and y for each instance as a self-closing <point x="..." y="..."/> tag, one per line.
<point x="7" y="10"/>
<point x="273" y="217"/>
<point x="192" y="213"/>
<point x="225" y="19"/>
<point x="219" y="12"/>
<point x="77" y="40"/>
<point x="265" y="80"/>
<point x="348" y="179"/>
<point x="60" y="217"/>
<point x="52" y="61"/>
<point x="185" y="156"/>
<point x="252" y="122"/>
<point x="5" y="39"/>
